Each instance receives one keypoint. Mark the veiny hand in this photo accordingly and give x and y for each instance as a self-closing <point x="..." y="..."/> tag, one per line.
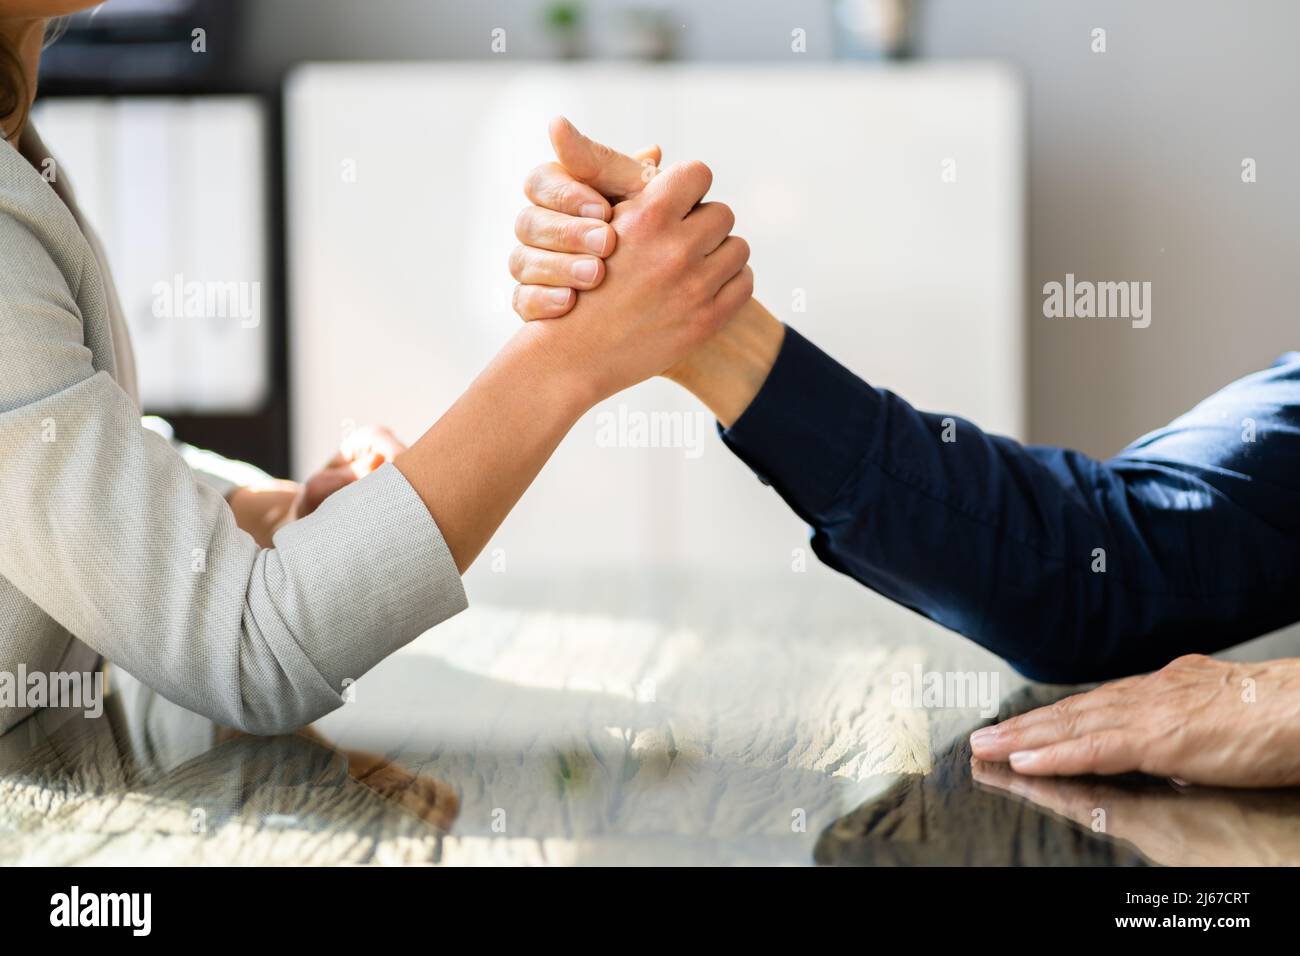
<point x="1197" y="720"/>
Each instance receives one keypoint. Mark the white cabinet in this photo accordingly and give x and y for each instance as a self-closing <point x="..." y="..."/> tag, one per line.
<point x="888" y="200"/>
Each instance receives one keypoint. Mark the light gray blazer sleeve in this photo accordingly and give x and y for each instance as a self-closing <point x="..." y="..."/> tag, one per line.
<point x="106" y="528"/>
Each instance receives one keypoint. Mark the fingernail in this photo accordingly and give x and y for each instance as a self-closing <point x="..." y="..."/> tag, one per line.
<point x="1024" y="759"/>
<point x="584" y="270"/>
<point x="596" y="240"/>
<point x="985" y="735"/>
<point x="592" y="210"/>
<point x="559" y="296"/>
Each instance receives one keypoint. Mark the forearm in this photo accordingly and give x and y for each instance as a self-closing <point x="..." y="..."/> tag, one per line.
<point x="477" y="460"/>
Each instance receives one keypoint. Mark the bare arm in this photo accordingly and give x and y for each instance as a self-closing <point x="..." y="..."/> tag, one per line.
<point x="476" y="461"/>
<point x="109" y="532"/>
<point x="674" y="279"/>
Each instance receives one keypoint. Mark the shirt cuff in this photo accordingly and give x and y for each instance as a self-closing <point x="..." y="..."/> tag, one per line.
<point x="808" y="428"/>
<point x="380" y="572"/>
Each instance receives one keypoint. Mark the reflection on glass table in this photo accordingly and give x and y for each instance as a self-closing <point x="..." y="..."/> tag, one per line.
<point x="969" y="812"/>
<point x="151" y="783"/>
<point x="617" y="717"/>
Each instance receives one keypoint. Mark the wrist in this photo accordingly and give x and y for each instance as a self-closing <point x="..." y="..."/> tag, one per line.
<point x="727" y="371"/>
<point x="564" y="377"/>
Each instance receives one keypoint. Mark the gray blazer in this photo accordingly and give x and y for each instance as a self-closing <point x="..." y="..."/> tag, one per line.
<point x="112" y="544"/>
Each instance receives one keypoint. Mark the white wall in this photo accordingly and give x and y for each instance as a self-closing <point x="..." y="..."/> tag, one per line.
<point x="1135" y="173"/>
<point x="400" y="290"/>
<point x="1133" y="157"/>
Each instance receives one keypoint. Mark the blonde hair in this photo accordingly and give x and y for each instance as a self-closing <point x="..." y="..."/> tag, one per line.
<point x="13" y="83"/>
<point x="13" y="91"/>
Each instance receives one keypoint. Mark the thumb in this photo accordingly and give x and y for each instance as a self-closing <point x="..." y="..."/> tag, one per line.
<point x="609" y="172"/>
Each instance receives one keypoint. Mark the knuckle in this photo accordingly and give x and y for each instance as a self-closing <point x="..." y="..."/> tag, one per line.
<point x="747" y="282"/>
<point x="739" y="290"/>
<point x="678" y="257"/>
<point x="536" y="180"/>
<point x="643" y="210"/>
<point x="518" y="261"/>
<point x="697" y="170"/>
<point x="551" y="187"/>
<point x="533" y="303"/>
<point x="728" y="216"/>
<point x="655" y="215"/>
<point x="568" y="196"/>
<point x="524" y="223"/>
<point x="702" y="175"/>
<point x="633" y="221"/>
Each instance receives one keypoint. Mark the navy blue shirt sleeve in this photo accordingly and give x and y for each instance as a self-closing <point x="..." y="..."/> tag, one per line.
<point x="1071" y="569"/>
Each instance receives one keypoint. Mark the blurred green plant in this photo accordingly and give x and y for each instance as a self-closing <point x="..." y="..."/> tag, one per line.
<point x="563" y="21"/>
<point x="563" y="17"/>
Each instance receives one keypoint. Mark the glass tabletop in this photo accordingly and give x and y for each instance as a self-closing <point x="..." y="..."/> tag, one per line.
<point x="619" y="719"/>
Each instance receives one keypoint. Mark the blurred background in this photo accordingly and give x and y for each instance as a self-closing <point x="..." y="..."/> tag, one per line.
<point x="909" y="174"/>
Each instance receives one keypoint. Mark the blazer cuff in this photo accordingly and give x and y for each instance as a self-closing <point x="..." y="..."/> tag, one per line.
<point x="378" y="572"/>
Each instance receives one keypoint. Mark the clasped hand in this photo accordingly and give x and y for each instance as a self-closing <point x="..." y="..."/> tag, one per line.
<point x="659" y="270"/>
